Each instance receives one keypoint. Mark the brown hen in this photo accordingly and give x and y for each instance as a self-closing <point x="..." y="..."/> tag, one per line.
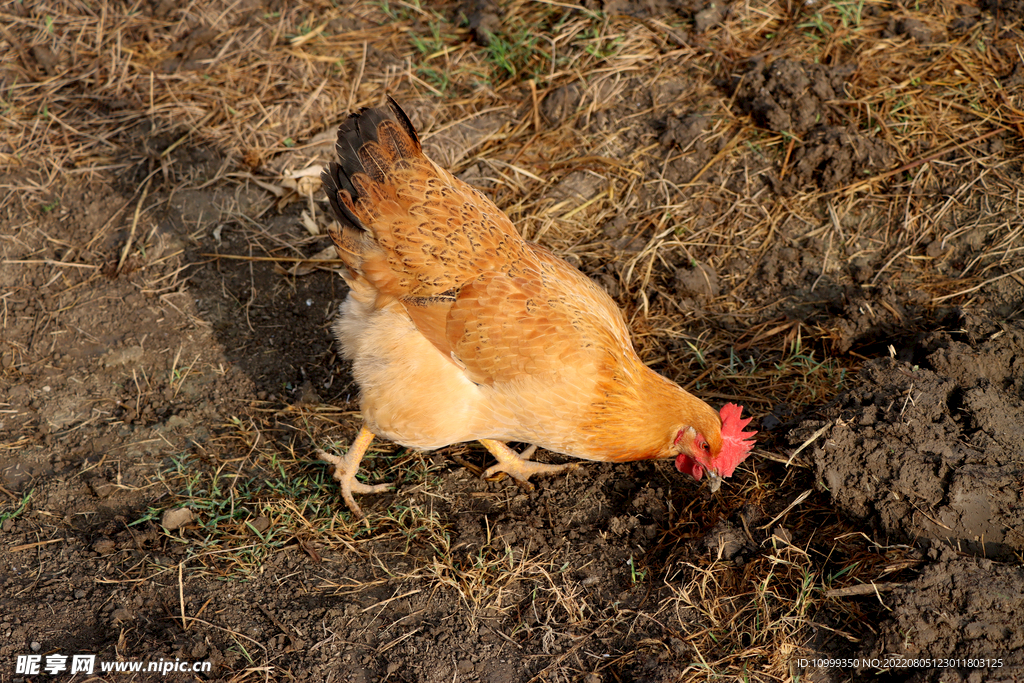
<point x="460" y="330"/>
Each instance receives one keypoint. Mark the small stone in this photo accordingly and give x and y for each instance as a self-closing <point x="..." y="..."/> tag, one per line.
<point x="104" y="546"/>
<point x="124" y="356"/>
<point x="175" y="519"/>
<point x="260" y="524"/>
<point x="15" y="477"/>
<point x="861" y="270"/>
<point x="101" y="487"/>
<point x="700" y="281"/>
<point x="175" y="422"/>
<point x="912" y="28"/>
<point x="711" y="15"/>
<point x="615" y="227"/>
<point x="121" y="614"/>
<point x="36" y="646"/>
<point x="561" y="103"/>
<point x="308" y="395"/>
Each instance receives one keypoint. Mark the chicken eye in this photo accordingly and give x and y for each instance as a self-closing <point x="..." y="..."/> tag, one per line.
<point x="703" y="445"/>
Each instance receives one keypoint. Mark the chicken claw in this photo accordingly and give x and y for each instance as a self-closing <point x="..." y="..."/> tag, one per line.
<point x="519" y="466"/>
<point x="345" y="469"/>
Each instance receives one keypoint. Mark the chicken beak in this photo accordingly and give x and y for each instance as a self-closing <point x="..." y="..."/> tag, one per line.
<point x="714" y="481"/>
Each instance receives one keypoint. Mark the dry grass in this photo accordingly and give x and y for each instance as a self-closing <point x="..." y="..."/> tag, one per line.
<point x="115" y="92"/>
<point x="94" y="87"/>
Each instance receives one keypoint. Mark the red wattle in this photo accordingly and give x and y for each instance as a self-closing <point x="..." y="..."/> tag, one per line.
<point x="688" y="465"/>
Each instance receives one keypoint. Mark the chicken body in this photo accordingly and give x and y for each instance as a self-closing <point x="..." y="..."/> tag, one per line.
<point x="413" y="395"/>
<point x="460" y="330"/>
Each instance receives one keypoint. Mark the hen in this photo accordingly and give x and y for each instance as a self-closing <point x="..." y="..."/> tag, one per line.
<point x="459" y="330"/>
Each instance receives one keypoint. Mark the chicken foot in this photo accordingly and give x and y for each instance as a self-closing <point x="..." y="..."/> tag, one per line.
<point x="519" y="466"/>
<point x="345" y="469"/>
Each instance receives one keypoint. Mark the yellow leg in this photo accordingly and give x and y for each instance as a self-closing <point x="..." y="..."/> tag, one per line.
<point x="519" y="467"/>
<point x="346" y="466"/>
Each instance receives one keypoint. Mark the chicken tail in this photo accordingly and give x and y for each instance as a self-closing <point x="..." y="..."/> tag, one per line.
<point x="369" y="145"/>
<point x="409" y="228"/>
<point x="373" y="145"/>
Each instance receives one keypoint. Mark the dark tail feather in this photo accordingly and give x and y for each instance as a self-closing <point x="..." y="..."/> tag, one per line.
<point x="369" y="142"/>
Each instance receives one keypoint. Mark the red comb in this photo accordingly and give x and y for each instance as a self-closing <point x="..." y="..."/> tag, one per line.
<point x="736" y="443"/>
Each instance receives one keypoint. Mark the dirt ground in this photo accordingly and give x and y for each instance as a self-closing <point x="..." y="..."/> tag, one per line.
<point x="811" y="209"/>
